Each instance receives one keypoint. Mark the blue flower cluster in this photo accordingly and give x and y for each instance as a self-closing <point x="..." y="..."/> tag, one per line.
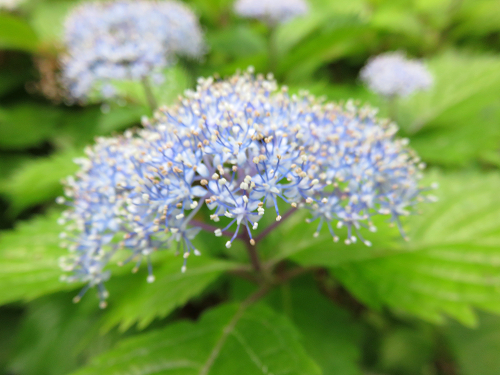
<point x="125" y="39"/>
<point x="238" y="147"/>
<point x="272" y="12"/>
<point x="392" y="74"/>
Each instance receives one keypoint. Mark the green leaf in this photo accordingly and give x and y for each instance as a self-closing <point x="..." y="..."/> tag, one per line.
<point x="294" y="240"/>
<point x="451" y="263"/>
<point x="464" y="84"/>
<point x="340" y="40"/>
<point x="14" y="75"/>
<point x="476" y="350"/>
<point x="397" y="18"/>
<point x="408" y="349"/>
<point x="478" y="18"/>
<point x="120" y="118"/>
<point x="9" y="327"/>
<point x="323" y="14"/>
<point x="47" y="18"/>
<point x="26" y="125"/>
<point x="9" y="163"/>
<point x="16" y="34"/>
<point x="39" y="180"/>
<point x="329" y="334"/>
<point x="230" y="339"/>
<point x="29" y="260"/>
<point x="57" y="335"/>
<point x="238" y="41"/>
<point x="463" y="144"/>
<point x="136" y="301"/>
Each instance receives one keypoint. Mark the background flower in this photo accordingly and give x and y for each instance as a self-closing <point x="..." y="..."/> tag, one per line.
<point x="125" y="40"/>
<point x="392" y="74"/>
<point x="10" y="4"/>
<point x="271" y="11"/>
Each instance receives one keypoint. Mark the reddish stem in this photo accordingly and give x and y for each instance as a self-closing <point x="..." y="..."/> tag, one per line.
<point x="271" y="227"/>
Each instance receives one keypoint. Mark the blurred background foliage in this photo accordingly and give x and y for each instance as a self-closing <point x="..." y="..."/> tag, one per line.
<point x="397" y="308"/>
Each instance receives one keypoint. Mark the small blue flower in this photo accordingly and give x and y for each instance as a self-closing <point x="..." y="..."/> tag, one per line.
<point x="237" y="147"/>
<point x="272" y="12"/>
<point x="392" y="74"/>
<point x="123" y="40"/>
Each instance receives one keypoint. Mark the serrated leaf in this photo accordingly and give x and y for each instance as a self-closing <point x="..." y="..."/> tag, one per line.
<point x="140" y="302"/>
<point x="16" y="34"/>
<point x="38" y="180"/>
<point x="226" y="340"/>
<point x="29" y="260"/>
<point x="476" y="350"/>
<point x="450" y="265"/>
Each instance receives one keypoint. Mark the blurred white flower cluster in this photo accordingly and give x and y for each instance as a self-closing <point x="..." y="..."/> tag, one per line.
<point x="10" y="4"/>
<point x="393" y="74"/>
<point x="272" y="12"/>
<point x="125" y="39"/>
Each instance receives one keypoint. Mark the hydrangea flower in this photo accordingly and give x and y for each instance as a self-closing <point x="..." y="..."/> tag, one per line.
<point x="125" y="39"/>
<point x="271" y="11"/>
<point x="392" y="74"/>
<point x="237" y="147"/>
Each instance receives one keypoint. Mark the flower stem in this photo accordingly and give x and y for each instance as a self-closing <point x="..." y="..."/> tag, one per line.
<point x="272" y="50"/>
<point x="392" y="107"/>
<point x="149" y="94"/>
<point x="252" y="253"/>
<point x="271" y="227"/>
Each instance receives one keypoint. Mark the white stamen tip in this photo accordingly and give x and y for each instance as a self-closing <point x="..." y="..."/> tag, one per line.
<point x="151" y="279"/>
